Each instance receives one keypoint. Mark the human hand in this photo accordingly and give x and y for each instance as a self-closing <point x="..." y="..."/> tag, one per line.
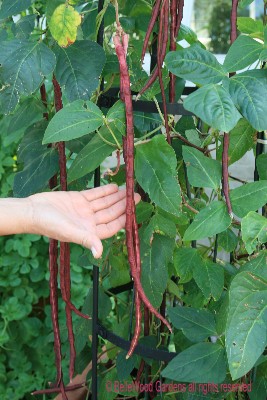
<point x="84" y="217"/>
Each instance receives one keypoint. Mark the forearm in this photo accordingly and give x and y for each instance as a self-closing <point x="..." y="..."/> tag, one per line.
<point x="15" y="216"/>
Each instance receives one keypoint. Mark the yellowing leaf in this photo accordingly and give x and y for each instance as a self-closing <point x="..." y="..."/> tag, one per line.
<point x="64" y="24"/>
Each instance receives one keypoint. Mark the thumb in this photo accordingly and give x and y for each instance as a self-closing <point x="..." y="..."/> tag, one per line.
<point x="93" y="243"/>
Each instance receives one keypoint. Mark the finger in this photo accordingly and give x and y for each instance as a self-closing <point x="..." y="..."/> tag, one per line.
<point x="107" y="201"/>
<point x="105" y="231"/>
<point x="99" y="192"/>
<point x="93" y="243"/>
<point x="110" y="214"/>
<point x="137" y="198"/>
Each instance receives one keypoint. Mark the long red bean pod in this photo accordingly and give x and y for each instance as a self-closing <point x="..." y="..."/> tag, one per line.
<point x="64" y="275"/>
<point x="57" y="390"/>
<point x="155" y="72"/>
<point x="121" y="50"/>
<point x="138" y="325"/>
<point x="146" y="333"/>
<point x="44" y="100"/>
<point x="130" y="207"/>
<point x="64" y="247"/>
<point x="151" y="80"/>
<point x="53" y="269"/>
<point x="129" y="157"/>
<point x="180" y="9"/>
<point x="140" y="371"/>
<point x="138" y="313"/>
<point x="63" y="390"/>
<point x="155" y="14"/>
<point x="64" y="265"/>
<point x="234" y="20"/>
<point x="163" y="40"/>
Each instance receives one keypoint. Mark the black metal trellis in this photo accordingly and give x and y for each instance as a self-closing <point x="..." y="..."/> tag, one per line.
<point x="107" y="100"/>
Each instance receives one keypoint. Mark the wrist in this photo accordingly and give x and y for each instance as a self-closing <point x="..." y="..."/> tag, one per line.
<point x="15" y="216"/>
<point x="29" y="214"/>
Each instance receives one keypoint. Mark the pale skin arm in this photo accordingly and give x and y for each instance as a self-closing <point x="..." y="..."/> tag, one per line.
<point x="85" y="217"/>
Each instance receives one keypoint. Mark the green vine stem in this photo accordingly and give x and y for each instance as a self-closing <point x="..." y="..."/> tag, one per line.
<point x="112" y="133"/>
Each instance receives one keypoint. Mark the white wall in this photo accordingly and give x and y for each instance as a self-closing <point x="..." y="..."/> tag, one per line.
<point x="188" y="10"/>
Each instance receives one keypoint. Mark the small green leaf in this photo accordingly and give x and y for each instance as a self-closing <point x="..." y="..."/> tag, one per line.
<point x="110" y="377"/>
<point x="185" y="260"/>
<point x="13" y="7"/>
<point x="257" y="266"/>
<point x="116" y="118"/>
<point x="243" y="52"/>
<point x="263" y="55"/>
<point x="156" y="172"/>
<point x="197" y="325"/>
<point x="40" y="162"/>
<point x="195" y="64"/>
<point x="202" y="171"/>
<point x="95" y="152"/>
<point x="144" y="122"/>
<point x="64" y="24"/>
<point x="228" y="240"/>
<point x="259" y="389"/>
<point x="185" y="33"/>
<point x="254" y="231"/>
<point x="143" y="211"/>
<point x="200" y="363"/>
<point x="112" y="65"/>
<point x="155" y="260"/>
<point x="125" y="367"/>
<point x="89" y="158"/>
<point x="159" y="224"/>
<point x="193" y="136"/>
<point x="210" y="220"/>
<point x="248" y="197"/>
<point x="73" y="121"/>
<point x="214" y="106"/>
<point x="261" y="161"/>
<point x="29" y="111"/>
<point x="78" y="69"/>
<point x="210" y="279"/>
<point x="24" y="27"/>
<point x="247" y="91"/>
<point x="250" y="26"/>
<point x="241" y="140"/>
<point x="247" y="309"/>
<point x="119" y="272"/>
<point x="244" y="3"/>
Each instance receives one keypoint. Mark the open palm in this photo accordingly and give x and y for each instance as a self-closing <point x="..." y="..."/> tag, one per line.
<point x="84" y="217"/>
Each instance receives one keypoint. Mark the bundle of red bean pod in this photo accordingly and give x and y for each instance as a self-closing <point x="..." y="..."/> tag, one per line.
<point x="64" y="271"/>
<point x="132" y="237"/>
<point x="168" y="31"/>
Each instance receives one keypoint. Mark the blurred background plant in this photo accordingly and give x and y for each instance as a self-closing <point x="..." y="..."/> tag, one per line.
<point x="25" y="324"/>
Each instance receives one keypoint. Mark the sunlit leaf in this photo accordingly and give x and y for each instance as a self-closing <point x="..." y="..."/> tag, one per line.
<point x="64" y="24"/>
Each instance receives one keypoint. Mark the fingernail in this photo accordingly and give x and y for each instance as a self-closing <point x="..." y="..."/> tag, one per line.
<point x="94" y="252"/>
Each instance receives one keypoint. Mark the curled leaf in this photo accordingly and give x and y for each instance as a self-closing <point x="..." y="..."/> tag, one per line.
<point x="64" y="24"/>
